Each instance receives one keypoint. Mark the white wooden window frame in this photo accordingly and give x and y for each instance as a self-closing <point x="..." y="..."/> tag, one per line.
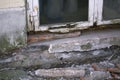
<point x="99" y="11"/>
<point x="33" y="4"/>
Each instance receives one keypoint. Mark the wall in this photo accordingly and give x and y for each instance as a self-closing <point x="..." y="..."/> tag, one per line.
<point x="12" y="24"/>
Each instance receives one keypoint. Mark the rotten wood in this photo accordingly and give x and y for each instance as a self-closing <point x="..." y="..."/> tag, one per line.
<point x="50" y="36"/>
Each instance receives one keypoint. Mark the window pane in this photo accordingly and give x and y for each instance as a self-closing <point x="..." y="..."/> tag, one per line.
<point x="61" y="11"/>
<point x="111" y="9"/>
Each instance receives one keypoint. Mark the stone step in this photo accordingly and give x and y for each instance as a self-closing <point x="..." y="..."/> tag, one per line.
<point x="89" y="40"/>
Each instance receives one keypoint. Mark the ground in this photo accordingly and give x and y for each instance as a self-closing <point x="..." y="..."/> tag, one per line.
<point x="89" y="57"/>
<point x="24" y="64"/>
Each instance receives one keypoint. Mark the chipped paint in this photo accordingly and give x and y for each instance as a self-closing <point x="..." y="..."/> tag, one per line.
<point x="34" y="23"/>
<point x="95" y="16"/>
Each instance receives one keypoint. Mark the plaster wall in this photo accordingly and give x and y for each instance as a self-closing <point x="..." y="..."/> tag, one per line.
<point x="12" y="24"/>
<point x="11" y="3"/>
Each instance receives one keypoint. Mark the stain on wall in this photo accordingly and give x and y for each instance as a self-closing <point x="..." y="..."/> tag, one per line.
<point x="12" y="25"/>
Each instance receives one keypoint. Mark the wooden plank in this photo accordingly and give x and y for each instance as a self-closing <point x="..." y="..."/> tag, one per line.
<point x="50" y="36"/>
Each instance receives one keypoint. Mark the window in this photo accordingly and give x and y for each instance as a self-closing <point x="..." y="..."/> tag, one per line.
<point x="62" y="11"/>
<point x="80" y="13"/>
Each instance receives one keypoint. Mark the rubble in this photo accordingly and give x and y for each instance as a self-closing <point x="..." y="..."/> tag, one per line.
<point x="40" y="65"/>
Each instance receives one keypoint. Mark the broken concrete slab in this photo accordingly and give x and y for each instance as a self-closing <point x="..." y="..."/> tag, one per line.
<point x="30" y="62"/>
<point x="43" y="59"/>
<point x="90" y="40"/>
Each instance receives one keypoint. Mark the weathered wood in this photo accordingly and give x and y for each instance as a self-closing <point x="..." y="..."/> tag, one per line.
<point x="49" y="36"/>
<point x="60" y="72"/>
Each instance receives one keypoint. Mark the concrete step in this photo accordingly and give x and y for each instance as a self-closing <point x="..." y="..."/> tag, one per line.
<point x="89" y="40"/>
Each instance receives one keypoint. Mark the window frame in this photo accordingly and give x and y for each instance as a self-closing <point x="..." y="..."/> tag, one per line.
<point x="34" y="17"/>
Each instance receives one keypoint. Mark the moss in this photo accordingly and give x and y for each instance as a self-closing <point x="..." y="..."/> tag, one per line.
<point x="86" y="46"/>
<point x="115" y="41"/>
<point x="20" y="41"/>
<point x="12" y="75"/>
<point x="4" y="43"/>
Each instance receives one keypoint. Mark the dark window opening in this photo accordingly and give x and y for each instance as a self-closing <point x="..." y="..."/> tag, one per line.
<point x="61" y="11"/>
<point x="111" y="9"/>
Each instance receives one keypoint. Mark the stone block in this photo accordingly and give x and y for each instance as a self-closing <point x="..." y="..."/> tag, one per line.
<point x="60" y="72"/>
